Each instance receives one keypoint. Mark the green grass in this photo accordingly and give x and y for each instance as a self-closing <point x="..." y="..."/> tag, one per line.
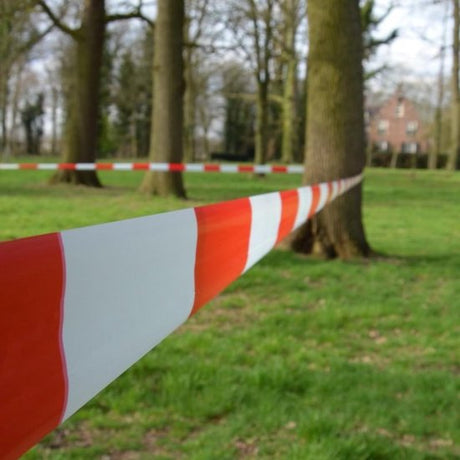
<point x="298" y="359"/>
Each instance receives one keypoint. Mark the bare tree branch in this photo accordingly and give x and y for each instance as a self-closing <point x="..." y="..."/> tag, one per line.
<point x="137" y="14"/>
<point x="34" y="39"/>
<point x="57" y="21"/>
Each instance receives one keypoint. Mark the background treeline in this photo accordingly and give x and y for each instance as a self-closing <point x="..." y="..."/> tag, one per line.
<point x="244" y="78"/>
<point x="241" y="61"/>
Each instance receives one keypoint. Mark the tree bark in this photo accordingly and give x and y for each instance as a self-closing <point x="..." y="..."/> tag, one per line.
<point x="82" y="120"/>
<point x="335" y="127"/>
<point x="168" y="91"/>
<point x="452" y="160"/>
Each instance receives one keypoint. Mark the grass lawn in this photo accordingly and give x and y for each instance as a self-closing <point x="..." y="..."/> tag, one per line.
<point x="298" y="359"/>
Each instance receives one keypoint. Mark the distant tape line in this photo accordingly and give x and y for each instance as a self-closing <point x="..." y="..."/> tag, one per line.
<point x="79" y="307"/>
<point x="186" y="167"/>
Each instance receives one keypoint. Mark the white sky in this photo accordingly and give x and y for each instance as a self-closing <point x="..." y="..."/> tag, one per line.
<point x="421" y="27"/>
<point x="415" y="53"/>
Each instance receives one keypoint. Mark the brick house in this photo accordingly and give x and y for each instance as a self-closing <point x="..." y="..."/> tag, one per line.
<point x="396" y="127"/>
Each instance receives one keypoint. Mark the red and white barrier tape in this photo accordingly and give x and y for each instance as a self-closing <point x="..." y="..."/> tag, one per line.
<point x="81" y="306"/>
<point x="186" y="167"/>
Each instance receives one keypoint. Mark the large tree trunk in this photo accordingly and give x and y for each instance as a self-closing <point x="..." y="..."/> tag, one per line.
<point x="82" y="120"/>
<point x="335" y="127"/>
<point x="452" y="160"/>
<point x="168" y="90"/>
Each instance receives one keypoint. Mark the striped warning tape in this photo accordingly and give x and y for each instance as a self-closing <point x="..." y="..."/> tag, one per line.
<point x="174" y="167"/>
<point x="81" y="306"/>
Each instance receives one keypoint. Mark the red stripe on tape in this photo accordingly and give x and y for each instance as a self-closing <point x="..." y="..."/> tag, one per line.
<point x="329" y="192"/>
<point x="245" y="168"/>
<point x="211" y="168"/>
<point x="28" y="166"/>
<point x="33" y="384"/>
<point x="289" y="208"/>
<point x="140" y="166"/>
<point x="316" y="194"/>
<point x="279" y="169"/>
<point x="70" y="166"/>
<point x="176" y="167"/>
<point x="104" y="166"/>
<point x="222" y="248"/>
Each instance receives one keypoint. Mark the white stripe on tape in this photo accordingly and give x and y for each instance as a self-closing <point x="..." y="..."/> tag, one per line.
<point x="262" y="169"/>
<point x="122" y="166"/>
<point x="159" y="166"/>
<point x="194" y="167"/>
<point x="128" y="285"/>
<point x="47" y="166"/>
<point x="229" y="168"/>
<point x="305" y="201"/>
<point x="324" y="190"/>
<point x="265" y="221"/>
<point x="335" y="190"/>
<point x="295" y="169"/>
<point x="85" y="166"/>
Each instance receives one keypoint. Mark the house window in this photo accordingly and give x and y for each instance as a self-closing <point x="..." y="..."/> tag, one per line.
<point x="409" y="147"/>
<point x="382" y="126"/>
<point x="400" y="109"/>
<point x="383" y="146"/>
<point x="411" y="128"/>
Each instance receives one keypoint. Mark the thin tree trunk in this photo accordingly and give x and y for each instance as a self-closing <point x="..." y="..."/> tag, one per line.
<point x="290" y="86"/>
<point x="133" y="137"/>
<point x="261" y="134"/>
<point x="289" y="113"/>
<point x="82" y="120"/>
<point x="18" y="89"/>
<point x="452" y="160"/>
<point x="168" y="90"/>
<point x="4" y="110"/>
<point x="368" y="156"/>
<point x="414" y="161"/>
<point x="189" y="106"/>
<point x="335" y="127"/>
<point x="394" y="159"/>
<point x="12" y="139"/>
<point x="434" y="153"/>
<point x="54" y="127"/>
